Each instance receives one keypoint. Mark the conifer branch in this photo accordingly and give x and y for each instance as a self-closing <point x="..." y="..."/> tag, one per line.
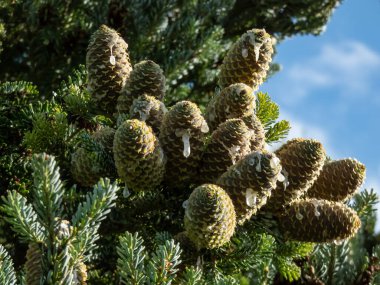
<point x="22" y="217"/>
<point x="7" y="272"/>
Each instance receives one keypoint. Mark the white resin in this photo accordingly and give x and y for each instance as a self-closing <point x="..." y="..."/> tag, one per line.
<point x="186" y="144"/>
<point x="244" y="52"/>
<point x="250" y="197"/>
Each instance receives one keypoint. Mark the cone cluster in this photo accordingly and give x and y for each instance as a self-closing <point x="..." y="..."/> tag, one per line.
<point x="181" y="148"/>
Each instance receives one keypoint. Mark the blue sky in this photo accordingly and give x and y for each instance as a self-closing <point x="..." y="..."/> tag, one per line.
<point x="329" y="86"/>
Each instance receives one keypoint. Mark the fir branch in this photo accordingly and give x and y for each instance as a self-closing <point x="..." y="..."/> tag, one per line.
<point x="277" y="132"/>
<point x="90" y="213"/>
<point x="267" y="111"/>
<point x="7" y="272"/>
<point x="48" y="191"/>
<point x="18" y="89"/>
<point x="162" y="267"/>
<point x="22" y="217"/>
<point x="364" y="203"/>
<point x="192" y="276"/>
<point x="130" y="263"/>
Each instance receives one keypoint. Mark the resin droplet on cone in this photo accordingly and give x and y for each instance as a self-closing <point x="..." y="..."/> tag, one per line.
<point x="146" y="78"/>
<point x="108" y="67"/>
<point x="250" y="182"/>
<point x="234" y="101"/>
<point x="302" y="160"/>
<point x="338" y="180"/>
<point x="228" y="144"/>
<point x="315" y="220"/>
<point x="150" y="110"/>
<point x="138" y="156"/>
<point x="248" y="60"/>
<point x="182" y="137"/>
<point x="258" y="136"/>
<point x="209" y="217"/>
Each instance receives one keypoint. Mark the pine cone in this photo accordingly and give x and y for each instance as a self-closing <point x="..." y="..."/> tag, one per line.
<point x="146" y="78"/>
<point x="228" y="144"/>
<point x="250" y="182"/>
<point x="33" y="265"/>
<point x="234" y="101"/>
<point x="182" y="136"/>
<point x="138" y="157"/>
<point x="302" y="160"/>
<point x="108" y="68"/>
<point x="105" y="136"/>
<point x="338" y="180"/>
<point x="248" y="60"/>
<point x="89" y="165"/>
<point x="318" y="221"/>
<point x="209" y="217"/>
<point x="80" y="274"/>
<point x="150" y="110"/>
<point x="258" y="137"/>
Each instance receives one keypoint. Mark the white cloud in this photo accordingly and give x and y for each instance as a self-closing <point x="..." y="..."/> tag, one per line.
<point x="301" y="129"/>
<point x="350" y="66"/>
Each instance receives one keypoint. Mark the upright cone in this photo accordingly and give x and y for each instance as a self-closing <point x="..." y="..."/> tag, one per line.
<point x="209" y="217"/>
<point x="302" y="160"/>
<point x="150" y="110"/>
<point x="138" y="156"/>
<point x="105" y="136"/>
<point x="234" y="101"/>
<point x="258" y="137"/>
<point x="228" y="144"/>
<point x="33" y="265"/>
<point x="318" y="221"/>
<point x="146" y="78"/>
<point x="250" y="182"/>
<point x="182" y="137"/>
<point x="248" y="60"/>
<point x="338" y="180"/>
<point x="108" y="68"/>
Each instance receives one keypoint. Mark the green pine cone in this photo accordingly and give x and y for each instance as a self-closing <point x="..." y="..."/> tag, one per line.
<point x="89" y="165"/>
<point x="229" y="143"/>
<point x="302" y="161"/>
<point x="338" y="181"/>
<point x="182" y="137"/>
<point x="33" y="265"/>
<point x="148" y="78"/>
<point x="138" y="156"/>
<point x="258" y="137"/>
<point x="209" y="217"/>
<point x="315" y="220"/>
<point x="250" y="182"/>
<point x="150" y="110"/>
<point x="104" y="136"/>
<point x="234" y="101"/>
<point x="108" y="68"/>
<point x="248" y="60"/>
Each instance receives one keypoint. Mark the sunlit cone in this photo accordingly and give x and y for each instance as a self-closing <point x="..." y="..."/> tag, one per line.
<point x="302" y="160"/>
<point x="90" y="163"/>
<point x="182" y="138"/>
<point x="248" y="60"/>
<point x="33" y="265"/>
<point x="228" y="144"/>
<point x="258" y="137"/>
<point x="138" y="156"/>
<point x="150" y="110"/>
<point x="105" y="136"/>
<point x="108" y="67"/>
<point x="146" y="78"/>
<point x="315" y="220"/>
<point x="338" y="180"/>
<point x="209" y="217"/>
<point x="234" y="101"/>
<point x="250" y="182"/>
